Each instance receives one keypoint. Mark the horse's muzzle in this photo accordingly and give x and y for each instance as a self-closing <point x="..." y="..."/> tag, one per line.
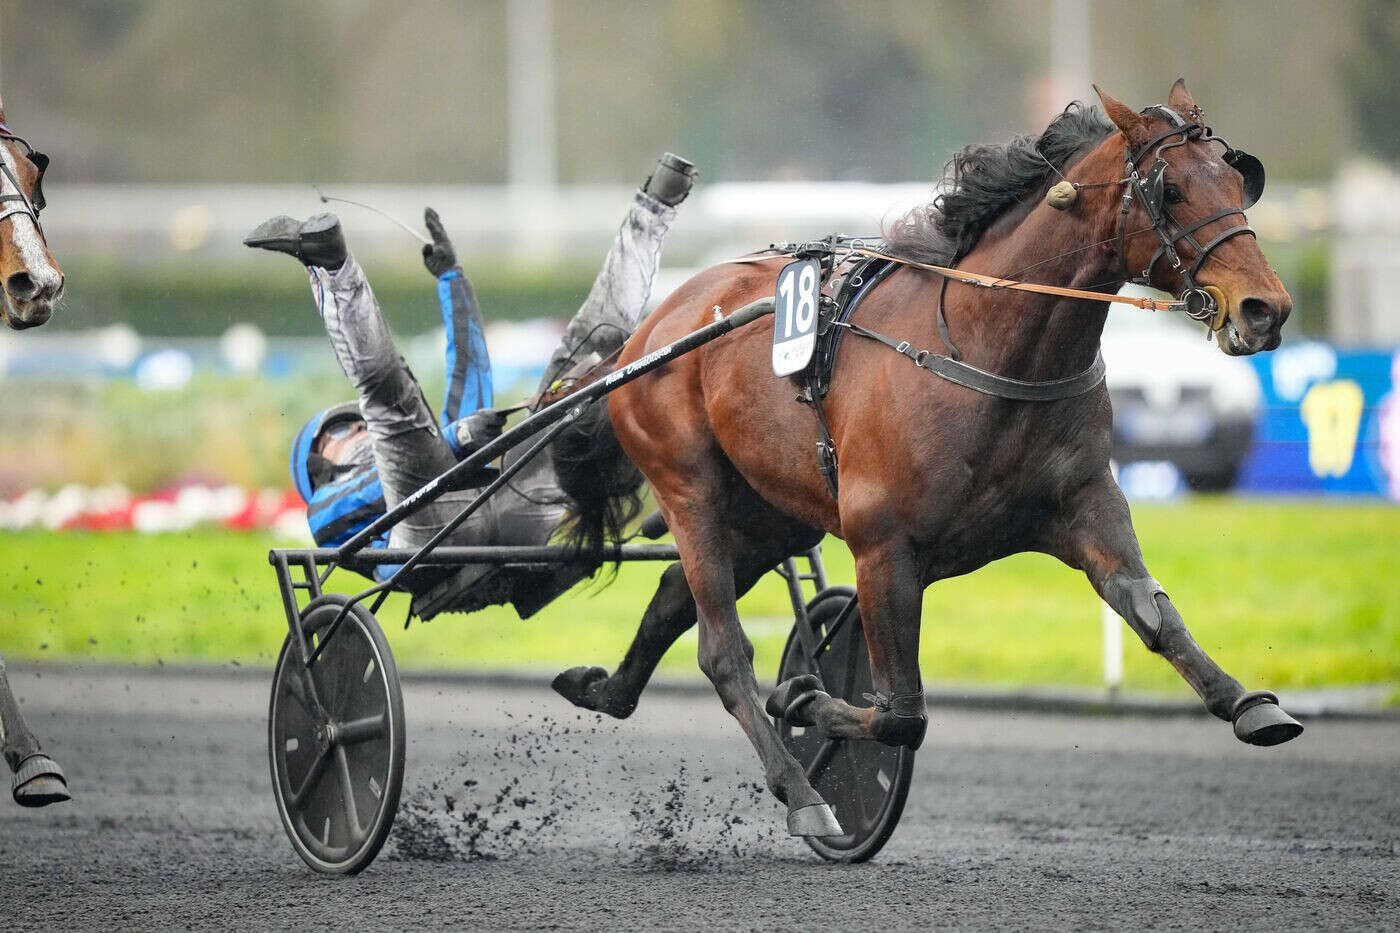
<point x="23" y="315"/>
<point x="1255" y="324"/>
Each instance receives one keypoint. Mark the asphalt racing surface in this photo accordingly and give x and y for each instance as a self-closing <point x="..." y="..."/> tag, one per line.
<point x="522" y="813"/>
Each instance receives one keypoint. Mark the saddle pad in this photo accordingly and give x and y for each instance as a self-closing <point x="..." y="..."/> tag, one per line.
<point x="851" y="284"/>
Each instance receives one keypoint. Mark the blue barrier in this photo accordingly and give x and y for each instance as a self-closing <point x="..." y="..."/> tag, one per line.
<point x="1330" y="422"/>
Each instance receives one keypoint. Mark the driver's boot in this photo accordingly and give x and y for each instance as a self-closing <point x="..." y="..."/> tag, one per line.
<point x="316" y="241"/>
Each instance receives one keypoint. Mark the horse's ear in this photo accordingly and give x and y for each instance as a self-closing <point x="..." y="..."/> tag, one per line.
<point x="1133" y="125"/>
<point x="1180" y="99"/>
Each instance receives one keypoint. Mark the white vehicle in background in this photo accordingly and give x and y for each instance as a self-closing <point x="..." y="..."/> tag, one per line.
<point x="1176" y="397"/>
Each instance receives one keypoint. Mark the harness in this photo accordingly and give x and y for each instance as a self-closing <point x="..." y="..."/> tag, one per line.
<point x="23" y="204"/>
<point x="848" y="280"/>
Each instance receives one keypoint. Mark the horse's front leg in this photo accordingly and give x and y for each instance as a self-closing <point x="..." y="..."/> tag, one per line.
<point x="890" y="593"/>
<point x="1097" y="537"/>
<point x="38" y="780"/>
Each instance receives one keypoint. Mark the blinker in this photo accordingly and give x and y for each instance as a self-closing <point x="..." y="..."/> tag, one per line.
<point x="1251" y="170"/>
<point x="41" y="162"/>
<point x="1153" y="186"/>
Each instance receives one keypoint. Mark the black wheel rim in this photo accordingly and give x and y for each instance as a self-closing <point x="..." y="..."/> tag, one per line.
<point x="337" y="786"/>
<point x="865" y="782"/>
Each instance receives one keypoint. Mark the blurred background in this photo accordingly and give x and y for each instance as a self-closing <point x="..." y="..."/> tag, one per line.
<point x="164" y="393"/>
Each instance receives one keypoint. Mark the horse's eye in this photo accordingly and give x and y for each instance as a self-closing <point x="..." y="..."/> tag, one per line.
<point x="1172" y="194"/>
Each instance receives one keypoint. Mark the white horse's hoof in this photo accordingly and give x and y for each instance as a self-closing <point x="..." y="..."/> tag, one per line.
<point x="39" y="782"/>
<point x="816" y="820"/>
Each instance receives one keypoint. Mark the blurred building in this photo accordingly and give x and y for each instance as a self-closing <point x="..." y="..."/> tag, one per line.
<point x="1365" y="280"/>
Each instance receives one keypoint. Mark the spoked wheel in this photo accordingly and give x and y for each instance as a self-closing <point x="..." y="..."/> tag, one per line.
<point x="337" y="750"/>
<point x="864" y="781"/>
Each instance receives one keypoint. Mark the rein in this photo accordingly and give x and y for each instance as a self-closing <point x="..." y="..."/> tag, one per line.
<point x="991" y="281"/>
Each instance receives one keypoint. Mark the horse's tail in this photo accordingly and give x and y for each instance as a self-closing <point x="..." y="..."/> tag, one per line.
<point x="602" y="485"/>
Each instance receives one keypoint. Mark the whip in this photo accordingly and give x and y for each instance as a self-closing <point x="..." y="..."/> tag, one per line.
<point x="325" y="198"/>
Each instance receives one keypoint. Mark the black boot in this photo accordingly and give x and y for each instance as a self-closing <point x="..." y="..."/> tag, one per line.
<point x="317" y="241"/>
<point x="670" y="181"/>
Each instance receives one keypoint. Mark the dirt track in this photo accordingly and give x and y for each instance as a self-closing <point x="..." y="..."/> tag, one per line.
<point x="1014" y="821"/>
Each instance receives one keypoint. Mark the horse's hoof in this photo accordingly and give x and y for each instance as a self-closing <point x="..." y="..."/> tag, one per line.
<point x="39" y="782"/>
<point x="1259" y="720"/>
<point x="789" y="697"/>
<point x="815" y="820"/>
<point x="573" y="684"/>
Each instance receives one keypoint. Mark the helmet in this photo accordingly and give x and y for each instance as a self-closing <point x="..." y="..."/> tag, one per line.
<point x="302" y="446"/>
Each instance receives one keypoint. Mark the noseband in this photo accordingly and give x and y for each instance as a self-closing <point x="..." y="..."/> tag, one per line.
<point x="1197" y="302"/>
<point x="19" y="202"/>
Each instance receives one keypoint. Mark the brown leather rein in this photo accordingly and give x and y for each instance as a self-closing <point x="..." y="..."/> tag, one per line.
<point x="991" y="281"/>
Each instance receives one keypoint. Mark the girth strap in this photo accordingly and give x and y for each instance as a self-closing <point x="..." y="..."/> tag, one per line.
<point x="979" y="380"/>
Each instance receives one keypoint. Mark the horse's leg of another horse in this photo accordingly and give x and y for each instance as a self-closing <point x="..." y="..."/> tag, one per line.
<point x="1100" y="540"/>
<point x="39" y="780"/>
<point x="888" y="581"/>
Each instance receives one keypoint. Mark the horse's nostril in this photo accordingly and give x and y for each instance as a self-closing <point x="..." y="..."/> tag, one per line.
<point x="1258" y="313"/>
<point x="22" y="286"/>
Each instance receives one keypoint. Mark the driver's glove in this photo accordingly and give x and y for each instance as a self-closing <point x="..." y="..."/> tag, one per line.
<point x="439" y="256"/>
<point x="478" y="429"/>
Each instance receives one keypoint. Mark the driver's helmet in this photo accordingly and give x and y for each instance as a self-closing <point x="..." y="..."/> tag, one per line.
<point x="303" y="446"/>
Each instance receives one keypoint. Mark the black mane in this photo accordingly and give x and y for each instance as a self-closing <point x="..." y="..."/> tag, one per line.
<point x="981" y="183"/>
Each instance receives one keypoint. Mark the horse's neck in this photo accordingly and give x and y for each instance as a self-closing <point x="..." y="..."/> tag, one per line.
<point x="1026" y="335"/>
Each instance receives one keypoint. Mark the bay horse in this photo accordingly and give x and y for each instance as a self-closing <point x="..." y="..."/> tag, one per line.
<point x="936" y="478"/>
<point x="31" y="285"/>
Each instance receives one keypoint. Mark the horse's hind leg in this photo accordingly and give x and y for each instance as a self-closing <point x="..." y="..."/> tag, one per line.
<point x="38" y="780"/>
<point x="1100" y="540"/>
<point x="669" y="615"/>
<point x="704" y="513"/>
<point x="890" y="588"/>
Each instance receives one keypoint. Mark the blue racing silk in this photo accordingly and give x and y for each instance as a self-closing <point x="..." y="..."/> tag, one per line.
<point x="337" y="511"/>
<point x="468" y="363"/>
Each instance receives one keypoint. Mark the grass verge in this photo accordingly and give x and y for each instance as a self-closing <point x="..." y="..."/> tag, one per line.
<point x="1283" y="594"/>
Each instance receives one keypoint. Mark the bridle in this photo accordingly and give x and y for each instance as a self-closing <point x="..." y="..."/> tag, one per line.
<point x="1200" y="303"/>
<point x="19" y="202"/>
<point x="1203" y="303"/>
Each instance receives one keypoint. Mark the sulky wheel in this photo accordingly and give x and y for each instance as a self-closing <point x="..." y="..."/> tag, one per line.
<point x="864" y="781"/>
<point x="337" y="755"/>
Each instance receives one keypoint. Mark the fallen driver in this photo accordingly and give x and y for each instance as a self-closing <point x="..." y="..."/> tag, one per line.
<point x="353" y="461"/>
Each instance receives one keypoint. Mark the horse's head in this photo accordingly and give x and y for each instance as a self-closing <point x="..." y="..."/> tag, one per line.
<point x="1186" y="231"/>
<point x="30" y="277"/>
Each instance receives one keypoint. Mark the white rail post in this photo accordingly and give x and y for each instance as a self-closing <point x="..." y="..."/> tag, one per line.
<point x="1112" y="649"/>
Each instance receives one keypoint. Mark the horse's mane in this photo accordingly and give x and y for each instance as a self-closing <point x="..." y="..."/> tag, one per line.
<point x="981" y="183"/>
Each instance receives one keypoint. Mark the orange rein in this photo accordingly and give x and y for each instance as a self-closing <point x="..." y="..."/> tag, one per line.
<point x="991" y="281"/>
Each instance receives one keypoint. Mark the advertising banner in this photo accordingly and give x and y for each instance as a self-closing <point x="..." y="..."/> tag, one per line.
<point x="1330" y="422"/>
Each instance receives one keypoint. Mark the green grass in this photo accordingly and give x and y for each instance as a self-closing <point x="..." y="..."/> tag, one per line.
<point x="1282" y="594"/>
